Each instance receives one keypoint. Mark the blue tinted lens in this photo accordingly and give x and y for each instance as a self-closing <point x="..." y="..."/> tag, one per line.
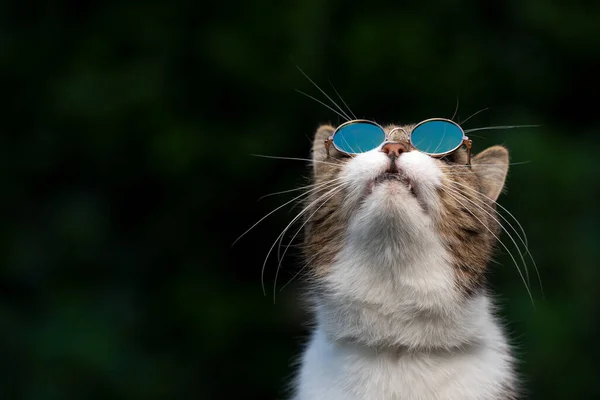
<point x="436" y="137"/>
<point x="358" y="137"/>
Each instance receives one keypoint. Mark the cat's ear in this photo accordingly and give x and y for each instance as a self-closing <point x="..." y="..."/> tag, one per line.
<point x="319" y="152"/>
<point x="491" y="166"/>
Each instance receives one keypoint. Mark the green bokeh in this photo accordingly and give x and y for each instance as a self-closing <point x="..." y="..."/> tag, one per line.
<point x="126" y="139"/>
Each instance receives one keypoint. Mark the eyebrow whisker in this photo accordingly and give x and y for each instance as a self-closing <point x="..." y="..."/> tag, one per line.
<point x="501" y="127"/>
<point x="482" y="110"/>
<point x="343" y="102"/>
<point x="323" y="104"/>
<point x="455" y="110"/>
<point x="324" y="93"/>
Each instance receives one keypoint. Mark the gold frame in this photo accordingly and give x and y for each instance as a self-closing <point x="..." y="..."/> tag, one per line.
<point x="329" y="140"/>
<point x="465" y="140"/>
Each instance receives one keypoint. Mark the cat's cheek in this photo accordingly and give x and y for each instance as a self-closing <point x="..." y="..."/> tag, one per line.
<point x="421" y="168"/>
<point x="426" y="176"/>
<point x="358" y="176"/>
<point x="364" y="167"/>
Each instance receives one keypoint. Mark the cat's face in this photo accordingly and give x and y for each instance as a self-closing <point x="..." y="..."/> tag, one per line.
<point x="398" y="207"/>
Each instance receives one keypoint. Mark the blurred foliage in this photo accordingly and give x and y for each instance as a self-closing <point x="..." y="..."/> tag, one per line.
<point x="127" y="130"/>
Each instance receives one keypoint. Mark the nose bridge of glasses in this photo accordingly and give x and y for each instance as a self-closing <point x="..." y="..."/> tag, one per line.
<point x="397" y="134"/>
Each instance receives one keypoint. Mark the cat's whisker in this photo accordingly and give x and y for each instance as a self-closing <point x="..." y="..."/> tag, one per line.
<point x="336" y="191"/>
<point x="299" y="188"/>
<point x="292" y="245"/>
<point x="501" y="127"/>
<point x="306" y="264"/>
<point x="484" y="165"/>
<point x="481" y="201"/>
<point x="276" y="240"/>
<point x="440" y="142"/>
<point x="523" y="239"/>
<point x="324" y="186"/>
<point x="458" y="173"/>
<point x="457" y="192"/>
<point x="297" y="159"/>
<point x="262" y="274"/>
<point x="472" y="115"/>
<point x="293" y="278"/>
<point x="343" y="102"/>
<point x="350" y="147"/>
<point x="344" y="116"/>
<point x="281" y="257"/>
<point x="476" y="136"/>
<point x="498" y="239"/>
<point x="325" y="94"/>
<point x="455" y="110"/>
<point x="275" y="210"/>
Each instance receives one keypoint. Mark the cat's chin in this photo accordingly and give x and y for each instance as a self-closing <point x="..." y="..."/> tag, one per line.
<point x="390" y="230"/>
<point x="391" y="206"/>
<point x="395" y="190"/>
<point x="392" y="178"/>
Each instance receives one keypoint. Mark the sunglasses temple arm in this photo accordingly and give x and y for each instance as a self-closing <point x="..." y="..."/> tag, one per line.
<point x="469" y="143"/>
<point x="328" y="142"/>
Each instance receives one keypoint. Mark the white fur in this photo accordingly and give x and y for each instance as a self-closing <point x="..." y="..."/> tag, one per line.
<point x="391" y="323"/>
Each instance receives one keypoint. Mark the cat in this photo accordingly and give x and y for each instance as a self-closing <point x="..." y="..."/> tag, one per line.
<point x="397" y="244"/>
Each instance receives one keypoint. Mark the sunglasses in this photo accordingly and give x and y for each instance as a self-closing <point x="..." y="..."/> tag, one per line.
<point x="436" y="137"/>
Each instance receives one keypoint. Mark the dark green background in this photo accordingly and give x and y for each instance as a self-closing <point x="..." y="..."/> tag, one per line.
<point x="126" y="136"/>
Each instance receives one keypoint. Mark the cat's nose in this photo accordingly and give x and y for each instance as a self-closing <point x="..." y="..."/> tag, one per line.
<point x="393" y="149"/>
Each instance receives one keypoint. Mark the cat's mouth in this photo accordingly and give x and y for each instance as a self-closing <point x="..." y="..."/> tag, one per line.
<point x="396" y="177"/>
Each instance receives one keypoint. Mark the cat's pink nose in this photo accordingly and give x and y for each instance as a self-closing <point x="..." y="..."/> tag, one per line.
<point x="393" y="149"/>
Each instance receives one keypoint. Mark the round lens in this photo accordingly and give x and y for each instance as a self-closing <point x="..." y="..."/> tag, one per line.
<point x="436" y="137"/>
<point x="358" y="137"/>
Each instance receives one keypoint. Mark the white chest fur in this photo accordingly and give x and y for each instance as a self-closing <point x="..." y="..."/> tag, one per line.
<point x="336" y="370"/>
<point x="386" y="333"/>
<point x="391" y="322"/>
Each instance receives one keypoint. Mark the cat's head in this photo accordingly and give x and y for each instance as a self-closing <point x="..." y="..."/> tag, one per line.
<point x="417" y="221"/>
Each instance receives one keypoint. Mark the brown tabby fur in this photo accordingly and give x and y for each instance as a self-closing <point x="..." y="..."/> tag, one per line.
<point x="468" y="231"/>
